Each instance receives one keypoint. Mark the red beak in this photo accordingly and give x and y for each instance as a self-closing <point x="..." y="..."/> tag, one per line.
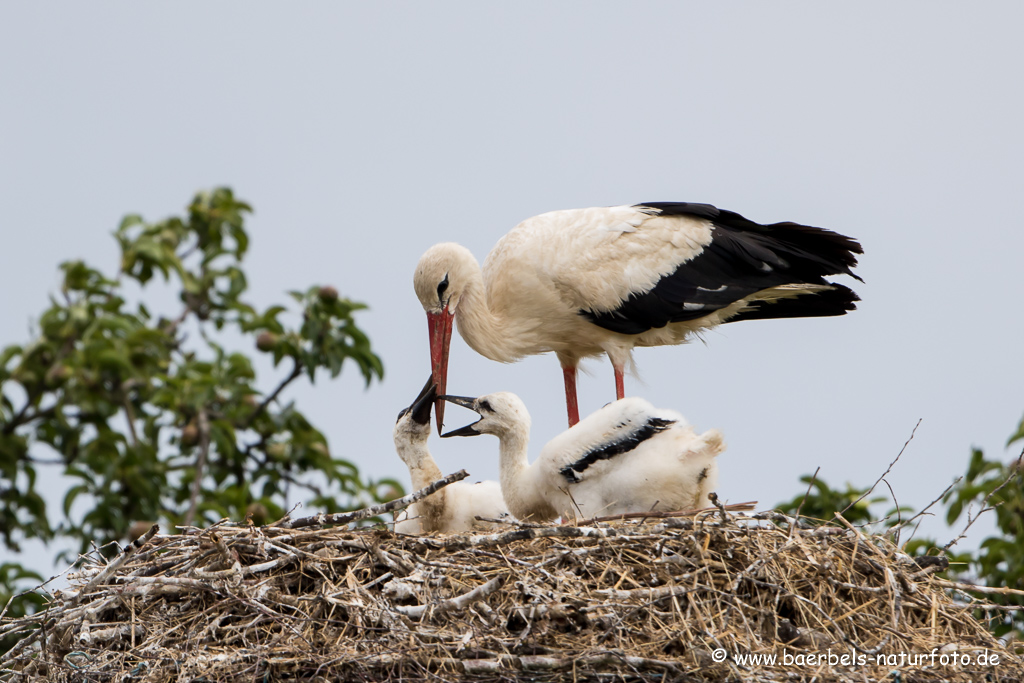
<point x="440" y="325"/>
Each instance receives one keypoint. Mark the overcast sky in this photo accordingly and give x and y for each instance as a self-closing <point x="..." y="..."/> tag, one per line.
<point x="364" y="133"/>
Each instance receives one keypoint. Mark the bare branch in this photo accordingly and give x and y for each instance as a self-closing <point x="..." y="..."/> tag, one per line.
<point x="887" y="470"/>
<point x="895" y="530"/>
<point x="112" y="568"/>
<point x="796" y="517"/>
<point x="485" y="540"/>
<point x="373" y="511"/>
<point x="658" y="514"/>
<point x="713" y="497"/>
<point x="991" y="590"/>
<point x="461" y="602"/>
<point x="929" y="505"/>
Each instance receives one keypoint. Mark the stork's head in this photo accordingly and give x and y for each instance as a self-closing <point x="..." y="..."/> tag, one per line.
<point x="413" y="425"/>
<point x="501" y="414"/>
<point x="441" y="278"/>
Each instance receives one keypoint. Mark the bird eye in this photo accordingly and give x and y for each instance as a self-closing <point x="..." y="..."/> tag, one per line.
<point x="442" y="286"/>
<point x="484" y="405"/>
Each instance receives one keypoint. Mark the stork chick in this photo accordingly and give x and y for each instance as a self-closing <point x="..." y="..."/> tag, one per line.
<point x="625" y="457"/>
<point x="452" y="508"/>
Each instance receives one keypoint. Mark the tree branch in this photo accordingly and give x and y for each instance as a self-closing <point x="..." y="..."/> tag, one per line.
<point x="197" y="483"/>
<point x="296" y="371"/>
<point x="172" y="326"/>
<point x="23" y="417"/>
<point x="130" y="418"/>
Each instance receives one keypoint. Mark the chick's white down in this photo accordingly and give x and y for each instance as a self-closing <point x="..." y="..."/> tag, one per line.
<point x="625" y="457"/>
<point x="454" y="507"/>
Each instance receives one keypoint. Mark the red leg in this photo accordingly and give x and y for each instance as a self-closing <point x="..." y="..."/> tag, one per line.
<point x="620" y="385"/>
<point x="569" y="375"/>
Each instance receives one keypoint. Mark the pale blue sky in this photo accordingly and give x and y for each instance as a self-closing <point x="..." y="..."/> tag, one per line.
<point x="364" y="133"/>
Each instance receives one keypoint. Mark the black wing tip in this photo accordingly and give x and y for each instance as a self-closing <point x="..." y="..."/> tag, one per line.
<point x="831" y="244"/>
<point x="734" y="261"/>
<point x="839" y="300"/>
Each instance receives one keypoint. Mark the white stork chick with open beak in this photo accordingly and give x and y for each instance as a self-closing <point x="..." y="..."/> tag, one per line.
<point x="457" y="505"/>
<point x="625" y="457"/>
<point x="586" y="282"/>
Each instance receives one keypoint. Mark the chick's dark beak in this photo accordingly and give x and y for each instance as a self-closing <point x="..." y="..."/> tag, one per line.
<point x="468" y="430"/>
<point x="421" y="406"/>
<point x="465" y="402"/>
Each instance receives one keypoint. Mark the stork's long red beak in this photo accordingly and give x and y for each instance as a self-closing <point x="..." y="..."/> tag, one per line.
<point x="440" y="325"/>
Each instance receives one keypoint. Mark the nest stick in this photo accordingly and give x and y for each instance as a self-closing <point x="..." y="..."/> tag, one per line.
<point x="373" y="511"/>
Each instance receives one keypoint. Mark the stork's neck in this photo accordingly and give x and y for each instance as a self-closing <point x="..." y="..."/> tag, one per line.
<point x="517" y="487"/>
<point x="485" y="329"/>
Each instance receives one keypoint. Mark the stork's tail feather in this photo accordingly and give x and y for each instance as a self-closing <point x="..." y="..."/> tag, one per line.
<point x="838" y="300"/>
<point x="831" y="251"/>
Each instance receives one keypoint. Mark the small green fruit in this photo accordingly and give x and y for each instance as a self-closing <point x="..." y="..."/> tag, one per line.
<point x="278" y="451"/>
<point x="266" y="341"/>
<point x="189" y="435"/>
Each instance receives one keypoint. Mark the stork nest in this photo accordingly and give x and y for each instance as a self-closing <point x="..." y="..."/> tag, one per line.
<point x="668" y="599"/>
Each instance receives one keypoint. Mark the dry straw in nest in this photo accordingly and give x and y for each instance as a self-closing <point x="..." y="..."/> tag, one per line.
<point x="657" y="599"/>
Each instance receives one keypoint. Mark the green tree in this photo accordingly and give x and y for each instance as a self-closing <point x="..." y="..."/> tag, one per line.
<point x="987" y="485"/>
<point x="994" y="485"/>
<point x="151" y="415"/>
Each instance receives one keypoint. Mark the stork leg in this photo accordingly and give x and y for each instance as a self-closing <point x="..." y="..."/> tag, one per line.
<point x="571" y="404"/>
<point x="620" y="384"/>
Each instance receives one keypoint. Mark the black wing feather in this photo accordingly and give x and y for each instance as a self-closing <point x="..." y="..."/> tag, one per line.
<point x="743" y="257"/>
<point x="623" y="444"/>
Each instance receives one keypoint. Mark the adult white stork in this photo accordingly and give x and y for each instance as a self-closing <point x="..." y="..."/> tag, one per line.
<point x="456" y="506"/>
<point x="583" y="282"/>
<point x="625" y="457"/>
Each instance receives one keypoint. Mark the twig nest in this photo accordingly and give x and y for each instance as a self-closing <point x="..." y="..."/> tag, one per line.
<point x="663" y="599"/>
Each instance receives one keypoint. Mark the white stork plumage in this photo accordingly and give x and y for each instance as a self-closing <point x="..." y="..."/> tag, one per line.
<point x="456" y="506"/>
<point x="583" y="282"/>
<point x="625" y="457"/>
